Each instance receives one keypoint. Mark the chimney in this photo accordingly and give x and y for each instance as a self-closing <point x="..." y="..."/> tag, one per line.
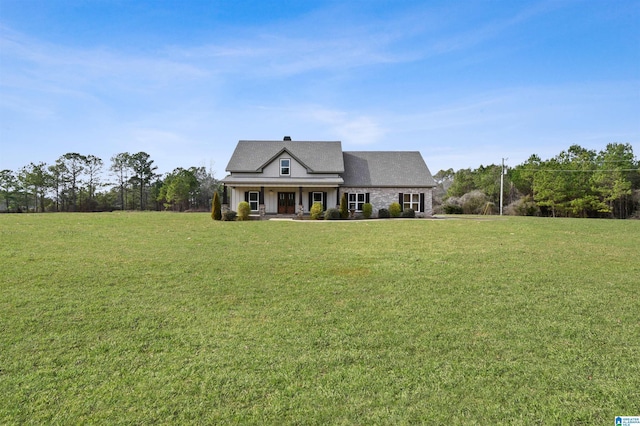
<point x="287" y="138"/>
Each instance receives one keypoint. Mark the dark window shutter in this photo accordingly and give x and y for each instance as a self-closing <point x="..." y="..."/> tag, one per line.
<point x="366" y="198"/>
<point x="401" y="201"/>
<point x="310" y="200"/>
<point x="246" y="196"/>
<point x="337" y="196"/>
<point x="422" y="202"/>
<point x="324" y="201"/>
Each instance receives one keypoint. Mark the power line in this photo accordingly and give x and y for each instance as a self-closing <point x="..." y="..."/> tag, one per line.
<point x="581" y="171"/>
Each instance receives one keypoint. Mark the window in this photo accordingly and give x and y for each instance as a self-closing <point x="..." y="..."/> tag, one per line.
<point x="254" y="198"/>
<point x="317" y="198"/>
<point x="285" y="167"/>
<point x="411" y="201"/>
<point x="357" y="200"/>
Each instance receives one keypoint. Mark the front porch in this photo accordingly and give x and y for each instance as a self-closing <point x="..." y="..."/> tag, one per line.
<point x="280" y="201"/>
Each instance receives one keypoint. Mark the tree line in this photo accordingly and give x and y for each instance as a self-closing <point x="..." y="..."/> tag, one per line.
<point x="575" y="183"/>
<point x="77" y="182"/>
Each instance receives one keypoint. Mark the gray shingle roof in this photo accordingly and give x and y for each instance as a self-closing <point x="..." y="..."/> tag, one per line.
<point x="317" y="157"/>
<point x="386" y="168"/>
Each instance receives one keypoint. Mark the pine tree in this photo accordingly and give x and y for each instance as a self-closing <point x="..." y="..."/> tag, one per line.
<point x="216" y="211"/>
<point x="344" y="208"/>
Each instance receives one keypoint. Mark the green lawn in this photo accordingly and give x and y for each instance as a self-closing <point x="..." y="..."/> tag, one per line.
<point x="150" y="318"/>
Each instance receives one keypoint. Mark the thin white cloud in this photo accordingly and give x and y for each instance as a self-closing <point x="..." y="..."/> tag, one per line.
<point x="356" y="129"/>
<point x="477" y="35"/>
<point x="46" y="66"/>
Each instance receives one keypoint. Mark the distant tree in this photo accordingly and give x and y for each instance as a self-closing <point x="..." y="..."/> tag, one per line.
<point x="178" y="189"/>
<point x="154" y="193"/>
<point x="93" y="169"/>
<point x="580" y="163"/>
<point x="8" y="184"/>
<point x="72" y="164"/>
<point x="444" y="179"/>
<point x="523" y="175"/>
<point x="463" y="182"/>
<point x="207" y="186"/>
<point x="487" y="180"/>
<point x="613" y="180"/>
<point x="120" y="168"/>
<point x="57" y="173"/>
<point x="444" y="176"/>
<point x="550" y="187"/>
<point x="35" y="177"/>
<point x="143" y="173"/>
<point x="561" y="185"/>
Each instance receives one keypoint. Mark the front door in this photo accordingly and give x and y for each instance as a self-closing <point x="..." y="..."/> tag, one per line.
<point x="286" y="202"/>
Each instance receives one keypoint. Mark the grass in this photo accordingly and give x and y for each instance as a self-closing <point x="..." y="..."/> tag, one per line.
<point x="158" y="318"/>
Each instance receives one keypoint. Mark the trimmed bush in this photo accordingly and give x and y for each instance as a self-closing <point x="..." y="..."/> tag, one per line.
<point x="244" y="210"/>
<point x="229" y="216"/>
<point x="344" y="207"/>
<point x="216" y="209"/>
<point x="332" y="214"/>
<point x="367" y="210"/>
<point x="316" y="211"/>
<point x="410" y="213"/>
<point x="384" y="214"/>
<point x="395" y="209"/>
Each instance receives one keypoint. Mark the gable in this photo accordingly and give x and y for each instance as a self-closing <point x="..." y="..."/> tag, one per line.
<point x="386" y="169"/>
<point x="316" y="157"/>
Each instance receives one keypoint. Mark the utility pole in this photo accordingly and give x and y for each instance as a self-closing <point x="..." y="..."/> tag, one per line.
<point x="501" y="185"/>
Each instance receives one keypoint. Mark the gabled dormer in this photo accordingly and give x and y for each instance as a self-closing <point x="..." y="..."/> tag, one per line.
<point x="286" y="159"/>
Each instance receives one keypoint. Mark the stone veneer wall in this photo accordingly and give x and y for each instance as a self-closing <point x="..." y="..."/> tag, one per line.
<point x="381" y="198"/>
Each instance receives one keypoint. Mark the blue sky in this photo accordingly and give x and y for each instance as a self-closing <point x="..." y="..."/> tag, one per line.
<point x="466" y="83"/>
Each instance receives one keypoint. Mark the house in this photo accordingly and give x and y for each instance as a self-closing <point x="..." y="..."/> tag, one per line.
<point x="288" y="177"/>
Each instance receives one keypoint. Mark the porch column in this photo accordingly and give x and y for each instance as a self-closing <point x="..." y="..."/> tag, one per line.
<point x="261" y="207"/>
<point x="338" y="197"/>
<point x="300" y="205"/>
<point x="225" y="199"/>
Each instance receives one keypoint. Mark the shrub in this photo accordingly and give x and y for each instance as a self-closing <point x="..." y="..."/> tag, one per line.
<point x="244" y="210"/>
<point x="332" y="214"/>
<point x="216" y="210"/>
<point x="367" y="210"/>
<point x="474" y="202"/>
<point x="525" y="206"/>
<point x="229" y="216"/>
<point x="408" y="213"/>
<point x="384" y="214"/>
<point x="316" y="211"/>
<point x="452" y="209"/>
<point x="395" y="209"/>
<point x="344" y="207"/>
